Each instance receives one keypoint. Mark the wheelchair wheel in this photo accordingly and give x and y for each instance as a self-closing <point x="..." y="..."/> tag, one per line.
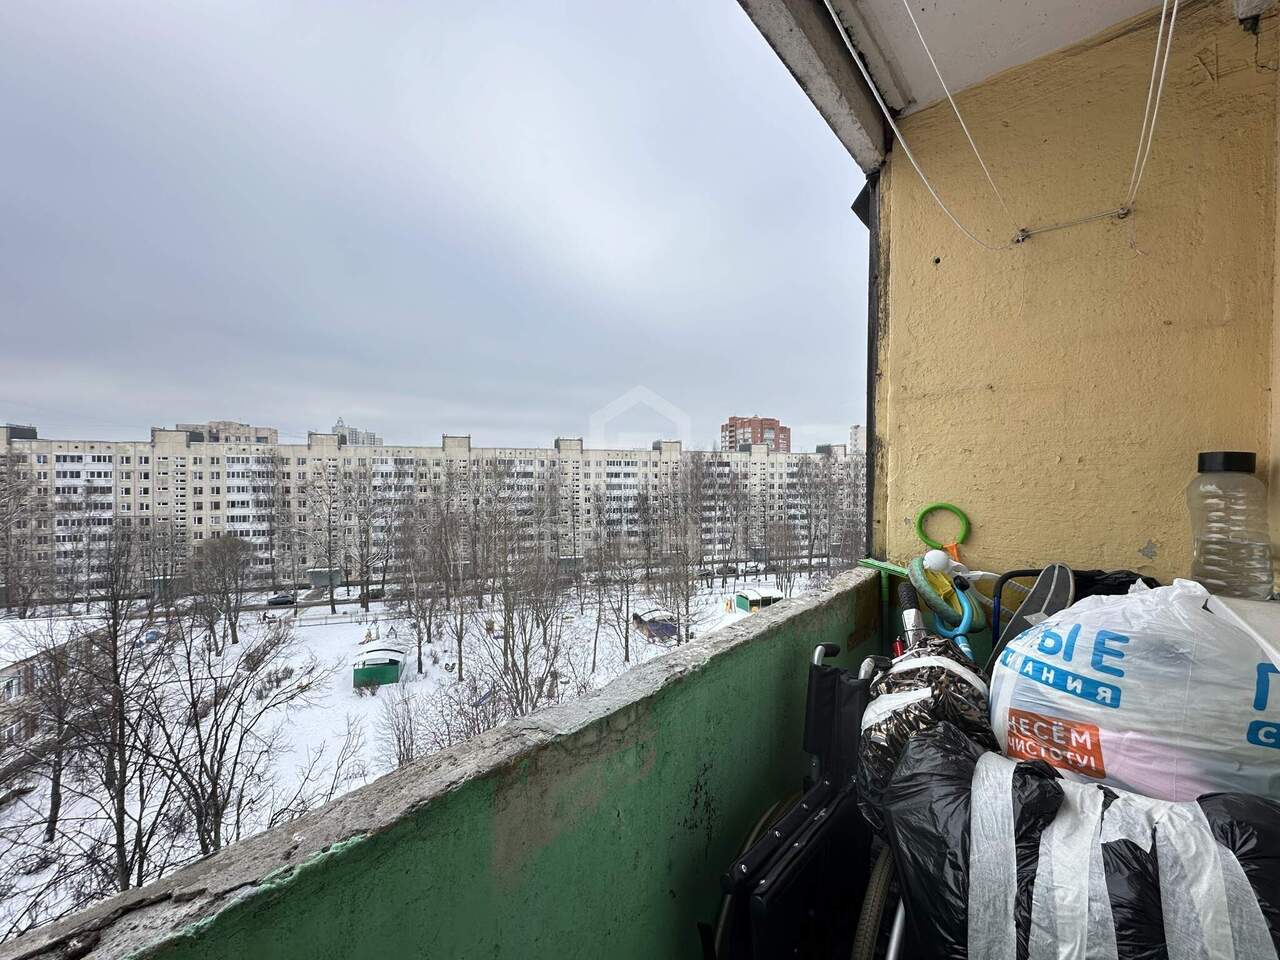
<point x="876" y="908"/>
<point x="767" y="820"/>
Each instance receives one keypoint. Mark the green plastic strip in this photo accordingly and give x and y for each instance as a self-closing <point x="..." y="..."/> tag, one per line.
<point x="949" y="508"/>
<point x="886" y="570"/>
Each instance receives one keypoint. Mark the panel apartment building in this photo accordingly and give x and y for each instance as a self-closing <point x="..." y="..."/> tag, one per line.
<point x="739" y="432"/>
<point x="222" y="478"/>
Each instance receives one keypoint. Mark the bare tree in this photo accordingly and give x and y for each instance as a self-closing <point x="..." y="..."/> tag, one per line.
<point x="643" y="509"/>
<point x="223" y="578"/>
<point x="598" y="587"/>
<point x="461" y="711"/>
<point x="40" y="886"/>
<point x="400" y="726"/>
<point x="539" y="649"/>
<point x="324" y="530"/>
<point x="804" y="505"/>
<point x="456" y="623"/>
<point x="317" y="781"/>
<point x="719" y="518"/>
<point x="621" y="568"/>
<point x="522" y="649"/>
<point x="782" y="546"/>
<point x="77" y="529"/>
<point x="22" y="572"/>
<point x="51" y="702"/>
<point x="741" y="516"/>
<point x="280" y="519"/>
<point x="116" y="735"/>
<point x="450" y="524"/>
<point x="849" y="509"/>
<point x="367" y="511"/>
<point x="220" y="719"/>
<point x="420" y="577"/>
<point x="165" y="560"/>
<point x="680" y="517"/>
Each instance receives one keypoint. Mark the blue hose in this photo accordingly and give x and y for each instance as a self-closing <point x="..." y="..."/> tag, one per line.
<point x="958" y="633"/>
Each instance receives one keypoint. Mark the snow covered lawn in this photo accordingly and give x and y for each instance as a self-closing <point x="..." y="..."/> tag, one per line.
<point x="337" y="640"/>
<point x="39" y="879"/>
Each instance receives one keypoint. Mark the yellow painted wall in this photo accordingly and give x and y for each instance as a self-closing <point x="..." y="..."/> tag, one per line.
<point x="1059" y="390"/>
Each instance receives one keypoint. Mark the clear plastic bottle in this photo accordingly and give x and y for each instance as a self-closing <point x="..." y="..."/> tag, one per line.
<point x="1231" y="541"/>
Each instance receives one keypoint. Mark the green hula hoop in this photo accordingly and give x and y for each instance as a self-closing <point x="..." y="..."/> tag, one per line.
<point x="949" y="508"/>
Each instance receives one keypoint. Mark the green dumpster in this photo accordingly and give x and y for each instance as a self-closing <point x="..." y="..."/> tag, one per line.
<point x="373" y="668"/>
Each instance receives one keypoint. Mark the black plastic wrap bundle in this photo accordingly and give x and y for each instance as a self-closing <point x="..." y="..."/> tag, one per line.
<point x="1172" y="880"/>
<point x="933" y="682"/>
<point x="926" y="811"/>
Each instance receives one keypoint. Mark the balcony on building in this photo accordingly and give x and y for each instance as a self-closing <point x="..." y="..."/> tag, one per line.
<point x="1054" y="380"/>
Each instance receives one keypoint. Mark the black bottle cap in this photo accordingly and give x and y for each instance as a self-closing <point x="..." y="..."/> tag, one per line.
<point x="1228" y="461"/>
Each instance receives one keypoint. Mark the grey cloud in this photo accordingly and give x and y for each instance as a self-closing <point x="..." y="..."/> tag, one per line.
<point x="492" y="219"/>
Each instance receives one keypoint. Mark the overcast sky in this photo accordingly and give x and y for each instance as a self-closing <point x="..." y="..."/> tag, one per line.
<point x="428" y="218"/>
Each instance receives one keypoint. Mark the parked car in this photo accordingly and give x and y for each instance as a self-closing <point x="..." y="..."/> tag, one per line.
<point x="283" y="600"/>
<point x="656" y="624"/>
<point x="727" y="570"/>
<point x="376" y="593"/>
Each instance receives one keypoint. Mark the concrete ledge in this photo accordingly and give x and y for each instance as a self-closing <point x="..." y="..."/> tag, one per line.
<point x="806" y="40"/>
<point x="656" y="776"/>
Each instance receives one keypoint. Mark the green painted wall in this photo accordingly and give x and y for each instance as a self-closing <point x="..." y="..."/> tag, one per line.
<point x="608" y="843"/>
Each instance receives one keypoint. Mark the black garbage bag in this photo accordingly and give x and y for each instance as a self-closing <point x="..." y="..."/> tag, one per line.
<point x="1107" y="583"/>
<point x="1133" y="884"/>
<point x="932" y="683"/>
<point x="1249" y="827"/>
<point x="1206" y="875"/>
<point x="926" y="811"/>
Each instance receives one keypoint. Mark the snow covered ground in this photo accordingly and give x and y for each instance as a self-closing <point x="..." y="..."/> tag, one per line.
<point x="336" y="640"/>
<point x="319" y="727"/>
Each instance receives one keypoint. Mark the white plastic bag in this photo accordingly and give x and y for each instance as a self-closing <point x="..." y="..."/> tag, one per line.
<point x="1151" y="692"/>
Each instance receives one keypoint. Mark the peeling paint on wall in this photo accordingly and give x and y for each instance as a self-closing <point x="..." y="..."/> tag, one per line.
<point x="555" y="791"/>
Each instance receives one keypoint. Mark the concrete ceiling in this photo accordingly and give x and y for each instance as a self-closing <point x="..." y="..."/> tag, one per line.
<point x="971" y="39"/>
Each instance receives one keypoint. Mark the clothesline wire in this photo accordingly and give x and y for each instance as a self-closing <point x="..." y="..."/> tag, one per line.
<point x="875" y="92"/>
<point x="1151" y="88"/>
<point x="1150" y="128"/>
<point x="906" y="5"/>
<point x="1146" y="136"/>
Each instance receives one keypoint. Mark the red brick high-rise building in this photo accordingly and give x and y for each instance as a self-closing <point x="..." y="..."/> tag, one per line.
<point x="739" y="430"/>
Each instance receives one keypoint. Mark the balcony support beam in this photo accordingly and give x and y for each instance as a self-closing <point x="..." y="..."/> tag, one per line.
<point x="804" y="37"/>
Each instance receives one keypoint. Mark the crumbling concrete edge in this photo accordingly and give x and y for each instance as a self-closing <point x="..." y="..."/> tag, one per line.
<point x="140" y="922"/>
